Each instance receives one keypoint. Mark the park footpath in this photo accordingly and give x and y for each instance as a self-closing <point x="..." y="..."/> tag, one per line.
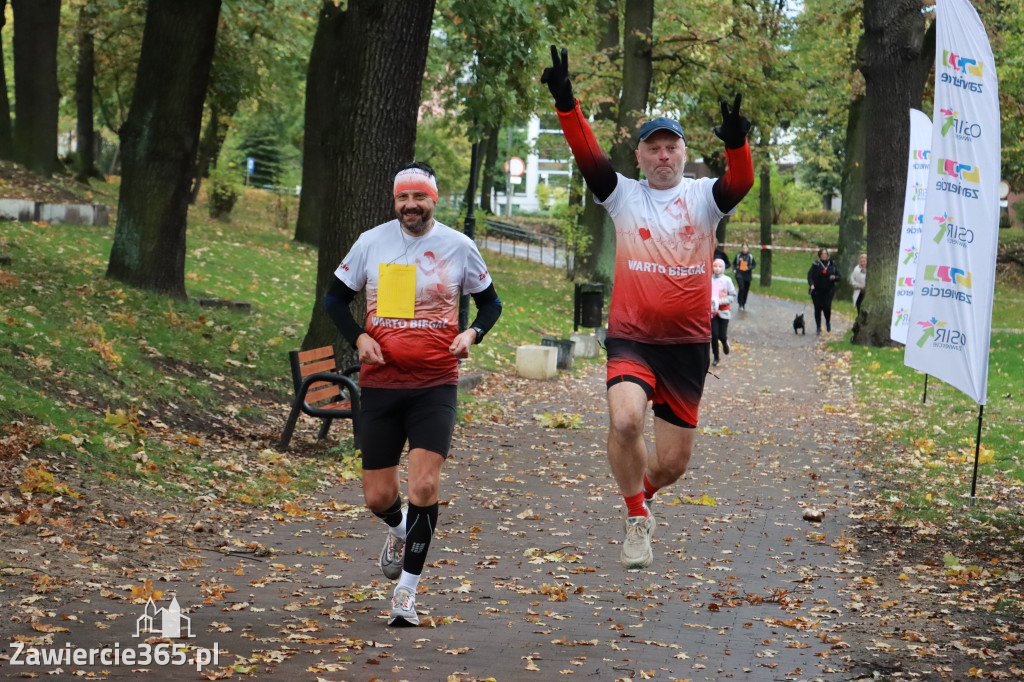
<point x="524" y="581"/>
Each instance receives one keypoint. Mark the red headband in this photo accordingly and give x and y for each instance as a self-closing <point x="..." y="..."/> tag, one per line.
<point x="416" y="180"/>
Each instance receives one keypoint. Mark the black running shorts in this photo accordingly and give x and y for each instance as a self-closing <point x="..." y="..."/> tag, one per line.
<point x="391" y="416"/>
<point x="671" y="375"/>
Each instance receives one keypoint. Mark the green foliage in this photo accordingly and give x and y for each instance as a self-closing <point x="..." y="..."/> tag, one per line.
<point x="792" y="202"/>
<point x="223" y="190"/>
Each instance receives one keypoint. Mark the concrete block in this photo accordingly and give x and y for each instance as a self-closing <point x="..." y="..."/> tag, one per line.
<point x="537" y="362"/>
<point x="17" y="209"/>
<point x="586" y="345"/>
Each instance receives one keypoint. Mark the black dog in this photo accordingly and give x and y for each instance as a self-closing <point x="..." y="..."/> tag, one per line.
<point x="798" y="324"/>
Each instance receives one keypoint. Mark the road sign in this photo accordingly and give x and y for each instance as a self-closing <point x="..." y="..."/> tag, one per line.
<point x="250" y="165"/>
<point x="515" y="166"/>
<point x="1004" y="189"/>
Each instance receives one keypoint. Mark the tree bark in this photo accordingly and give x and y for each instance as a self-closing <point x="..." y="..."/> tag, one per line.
<point x="487" y="174"/>
<point x="894" y="33"/>
<point x="637" y="70"/>
<point x="599" y="262"/>
<point x="6" y="132"/>
<point x="851" y="212"/>
<point x="86" y="69"/>
<point x="765" y="214"/>
<point x="474" y="172"/>
<point x="363" y="96"/>
<point x="36" y="27"/>
<point x="158" y="144"/>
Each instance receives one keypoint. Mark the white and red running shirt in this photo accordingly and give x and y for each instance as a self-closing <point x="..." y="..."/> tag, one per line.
<point x="665" y="240"/>
<point x="415" y="350"/>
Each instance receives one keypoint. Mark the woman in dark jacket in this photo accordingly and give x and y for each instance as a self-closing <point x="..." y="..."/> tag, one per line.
<point x="743" y="267"/>
<point x="822" y="281"/>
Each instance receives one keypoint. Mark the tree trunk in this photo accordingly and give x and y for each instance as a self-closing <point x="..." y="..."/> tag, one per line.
<point x="637" y="70"/>
<point x="36" y="27"/>
<point x="359" y="133"/>
<point x="86" y="70"/>
<point x="158" y="144"/>
<point x="765" y="214"/>
<point x="851" y="212"/>
<point x="599" y="263"/>
<point x="894" y="33"/>
<point x="487" y="176"/>
<point x="6" y="133"/>
<point x="475" y="160"/>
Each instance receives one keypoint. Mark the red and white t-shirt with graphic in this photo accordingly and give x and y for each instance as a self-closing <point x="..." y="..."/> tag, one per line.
<point x="415" y="350"/>
<point x="665" y="240"/>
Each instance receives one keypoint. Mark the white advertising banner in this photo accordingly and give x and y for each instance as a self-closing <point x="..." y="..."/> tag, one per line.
<point x="951" y="319"/>
<point x="913" y="220"/>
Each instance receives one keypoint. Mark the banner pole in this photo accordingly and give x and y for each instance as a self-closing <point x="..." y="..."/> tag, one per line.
<point x="977" y="454"/>
<point x="924" y="398"/>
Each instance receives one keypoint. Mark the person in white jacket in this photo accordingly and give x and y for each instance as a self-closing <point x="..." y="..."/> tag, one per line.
<point x="723" y="293"/>
<point x="858" y="278"/>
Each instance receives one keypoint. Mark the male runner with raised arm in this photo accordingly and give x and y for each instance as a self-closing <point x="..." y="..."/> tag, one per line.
<point x="659" y="323"/>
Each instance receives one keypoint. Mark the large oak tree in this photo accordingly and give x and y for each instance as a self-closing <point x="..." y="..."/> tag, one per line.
<point x="158" y="144"/>
<point x="36" y="29"/>
<point x="362" y="98"/>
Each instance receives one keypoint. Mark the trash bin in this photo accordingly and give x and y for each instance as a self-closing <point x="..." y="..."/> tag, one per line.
<point x="588" y="305"/>
<point x="564" y="347"/>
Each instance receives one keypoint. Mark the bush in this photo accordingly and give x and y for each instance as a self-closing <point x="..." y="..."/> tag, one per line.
<point x="223" y="193"/>
<point x="819" y="217"/>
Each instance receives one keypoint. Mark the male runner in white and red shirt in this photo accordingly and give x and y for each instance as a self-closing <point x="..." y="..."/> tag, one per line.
<point x="414" y="270"/>
<point x="659" y="323"/>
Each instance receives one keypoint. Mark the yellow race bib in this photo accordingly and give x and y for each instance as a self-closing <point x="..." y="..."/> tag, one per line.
<point x="396" y="290"/>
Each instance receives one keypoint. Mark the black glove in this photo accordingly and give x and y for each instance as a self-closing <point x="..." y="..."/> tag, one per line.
<point x="733" y="131"/>
<point x="557" y="78"/>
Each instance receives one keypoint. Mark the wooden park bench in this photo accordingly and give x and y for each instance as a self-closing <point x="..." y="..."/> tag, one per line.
<point x="321" y="392"/>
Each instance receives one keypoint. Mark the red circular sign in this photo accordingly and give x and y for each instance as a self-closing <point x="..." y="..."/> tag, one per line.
<point x="515" y="166"/>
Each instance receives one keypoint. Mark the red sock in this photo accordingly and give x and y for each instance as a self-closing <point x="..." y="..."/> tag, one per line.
<point x="649" y="489"/>
<point x="635" y="504"/>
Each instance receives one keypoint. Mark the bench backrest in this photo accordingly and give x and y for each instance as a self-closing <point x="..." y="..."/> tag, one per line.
<point x="306" y="362"/>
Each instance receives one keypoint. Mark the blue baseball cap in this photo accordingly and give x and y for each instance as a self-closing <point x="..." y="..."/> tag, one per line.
<point x="660" y="123"/>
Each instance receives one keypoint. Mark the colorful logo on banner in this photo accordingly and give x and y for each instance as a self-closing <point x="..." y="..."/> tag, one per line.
<point x="964" y="130"/>
<point x="920" y="159"/>
<point x="941" y="336"/>
<point x="911" y="256"/>
<point x="947" y="282"/>
<point x="964" y="69"/>
<point x="955" y="235"/>
<point x="914" y="223"/>
<point x="902" y="316"/>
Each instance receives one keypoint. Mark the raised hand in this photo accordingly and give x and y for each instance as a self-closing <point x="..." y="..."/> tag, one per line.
<point x="733" y="131"/>
<point x="556" y="77"/>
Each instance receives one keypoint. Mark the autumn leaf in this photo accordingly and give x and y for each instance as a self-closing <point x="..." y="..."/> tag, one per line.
<point x="39" y="480"/>
<point x="126" y="422"/>
<point x="703" y="500"/>
<point x="143" y="593"/>
<point x="559" y="420"/>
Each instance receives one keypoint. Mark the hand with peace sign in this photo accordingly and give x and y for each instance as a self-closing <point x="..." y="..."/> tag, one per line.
<point x="733" y="131"/>
<point x="556" y="77"/>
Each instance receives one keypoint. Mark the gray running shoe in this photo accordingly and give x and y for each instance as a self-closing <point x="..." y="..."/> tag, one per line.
<point x="403" y="609"/>
<point x="636" y="549"/>
<point x="392" y="557"/>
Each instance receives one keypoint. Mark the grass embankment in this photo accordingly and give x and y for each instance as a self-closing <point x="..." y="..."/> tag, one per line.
<point x="125" y="385"/>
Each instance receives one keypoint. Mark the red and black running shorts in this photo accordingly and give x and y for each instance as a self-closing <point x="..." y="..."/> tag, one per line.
<point x="671" y="375"/>
<point x="388" y="417"/>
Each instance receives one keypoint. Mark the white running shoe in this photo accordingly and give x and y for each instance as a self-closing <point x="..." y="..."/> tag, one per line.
<point x="403" y="609"/>
<point x="636" y="549"/>
<point x="392" y="556"/>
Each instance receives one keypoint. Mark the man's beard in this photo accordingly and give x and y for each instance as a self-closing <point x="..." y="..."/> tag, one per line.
<point x="416" y="223"/>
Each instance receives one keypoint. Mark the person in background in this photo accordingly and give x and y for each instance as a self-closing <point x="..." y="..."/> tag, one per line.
<point x="721" y="254"/>
<point x="723" y="292"/>
<point x="858" y="278"/>
<point x="822" y="281"/>
<point x="743" y="268"/>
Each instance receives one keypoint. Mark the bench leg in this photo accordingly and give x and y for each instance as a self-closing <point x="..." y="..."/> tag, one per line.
<point x="289" y="427"/>
<point x="324" y="429"/>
